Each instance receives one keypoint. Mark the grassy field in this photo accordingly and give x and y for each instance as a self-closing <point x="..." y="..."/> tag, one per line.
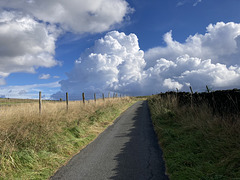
<point x="34" y="146"/>
<point x="10" y="101"/>
<point x="196" y="144"/>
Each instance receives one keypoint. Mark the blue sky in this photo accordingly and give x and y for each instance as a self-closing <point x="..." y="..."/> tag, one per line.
<point x="133" y="47"/>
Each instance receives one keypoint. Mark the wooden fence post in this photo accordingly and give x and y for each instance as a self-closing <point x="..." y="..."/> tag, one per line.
<point x="109" y="95"/>
<point x="191" y="96"/>
<point x="83" y="98"/>
<point x="191" y="89"/>
<point x="40" y="102"/>
<point x="67" y="100"/>
<point x="103" y="96"/>
<point x="95" y="99"/>
<point x="207" y="89"/>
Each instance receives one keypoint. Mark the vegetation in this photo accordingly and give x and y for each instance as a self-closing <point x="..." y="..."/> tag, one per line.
<point x="10" y="101"/>
<point x="34" y="146"/>
<point x="196" y="144"/>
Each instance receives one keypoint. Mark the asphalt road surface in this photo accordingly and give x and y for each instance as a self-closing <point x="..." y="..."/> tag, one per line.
<point x="128" y="149"/>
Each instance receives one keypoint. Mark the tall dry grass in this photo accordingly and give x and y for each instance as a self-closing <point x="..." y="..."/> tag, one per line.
<point x="30" y="141"/>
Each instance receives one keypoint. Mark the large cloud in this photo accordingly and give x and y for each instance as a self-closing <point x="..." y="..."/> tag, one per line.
<point x="221" y="44"/>
<point x="29" y="28"/>
<point x="185" y="71"/>
<point x="25" y="44"/>
<point x="115" y="63"/>
<point x="79" y="16"/>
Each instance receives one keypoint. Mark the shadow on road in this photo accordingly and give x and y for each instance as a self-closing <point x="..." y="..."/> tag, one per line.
<point x="140" y="157"/>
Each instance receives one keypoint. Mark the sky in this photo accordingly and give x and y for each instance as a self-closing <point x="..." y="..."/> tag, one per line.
<point x="129" y="47"/>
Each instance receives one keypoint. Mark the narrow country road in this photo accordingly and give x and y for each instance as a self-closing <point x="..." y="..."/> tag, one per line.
<point x="128" y="149"/>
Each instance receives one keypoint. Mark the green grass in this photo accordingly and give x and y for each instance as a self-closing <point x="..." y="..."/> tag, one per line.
<point x="36" y="148"/>
<point x="196" y="145"/>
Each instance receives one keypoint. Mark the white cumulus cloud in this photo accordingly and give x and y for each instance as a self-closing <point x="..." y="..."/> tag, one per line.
<point x="29" y="29"/>
<point x="171" y="84"/>
<point x="25" y="44"/>
<point x="185" y="70"/>
<point x="79" y="16"/>
<point x="220" y="43"/>
<point x="115" y="63"/>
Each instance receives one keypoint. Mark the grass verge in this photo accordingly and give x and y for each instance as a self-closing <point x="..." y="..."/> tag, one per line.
<point x="196" y="144"/>
<point x="34" y="146"/>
